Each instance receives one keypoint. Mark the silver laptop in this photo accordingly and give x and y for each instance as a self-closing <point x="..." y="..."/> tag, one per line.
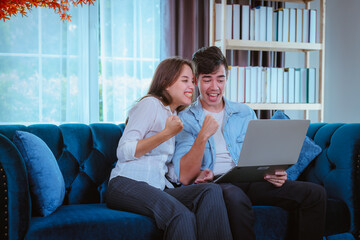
<point x="269" y="145"/>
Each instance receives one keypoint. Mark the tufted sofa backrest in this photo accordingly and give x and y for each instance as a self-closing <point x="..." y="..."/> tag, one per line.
<point x="85" y="154"/>
<point x="337" y="168"/>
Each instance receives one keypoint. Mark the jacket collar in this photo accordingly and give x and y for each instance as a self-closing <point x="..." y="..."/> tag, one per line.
<point x="198" y="111"/>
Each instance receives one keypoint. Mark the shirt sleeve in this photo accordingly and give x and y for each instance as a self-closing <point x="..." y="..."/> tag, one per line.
<point x="141" y="119"/>
<point x="183" y="143"/>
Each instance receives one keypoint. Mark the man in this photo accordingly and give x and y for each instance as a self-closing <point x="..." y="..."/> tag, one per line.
<point x="210" y="143"/>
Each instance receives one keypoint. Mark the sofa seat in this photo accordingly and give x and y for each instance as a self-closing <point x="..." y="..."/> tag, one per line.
<point x="92" y="221"/>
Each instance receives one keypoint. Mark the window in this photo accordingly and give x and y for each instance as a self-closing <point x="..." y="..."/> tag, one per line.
<point x="91" y="69"/>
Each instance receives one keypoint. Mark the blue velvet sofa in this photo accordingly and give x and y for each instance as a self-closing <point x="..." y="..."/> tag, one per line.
<point x="87" y="153"/>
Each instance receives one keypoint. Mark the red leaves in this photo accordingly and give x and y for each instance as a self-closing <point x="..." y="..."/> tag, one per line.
<point x="10" y="8"/>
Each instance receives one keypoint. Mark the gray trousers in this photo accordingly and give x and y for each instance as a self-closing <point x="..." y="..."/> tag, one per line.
<point x="189" y="212"/>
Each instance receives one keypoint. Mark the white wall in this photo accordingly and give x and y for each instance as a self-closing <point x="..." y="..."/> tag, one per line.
<point x="342" y="66"/>
<point x="342" y="62"/>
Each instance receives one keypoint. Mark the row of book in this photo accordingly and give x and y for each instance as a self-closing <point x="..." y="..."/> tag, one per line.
<point x="272" y="85"/>
<point x="265" y="24"/>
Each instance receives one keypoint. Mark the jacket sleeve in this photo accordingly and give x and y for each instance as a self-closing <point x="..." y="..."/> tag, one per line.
<point x="183" y="143"/>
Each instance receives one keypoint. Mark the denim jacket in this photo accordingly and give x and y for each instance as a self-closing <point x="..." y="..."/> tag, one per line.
<point x="236" y="119"/>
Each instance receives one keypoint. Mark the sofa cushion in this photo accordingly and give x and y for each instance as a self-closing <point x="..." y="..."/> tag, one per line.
<point x="47" y="185"/>
<point x="341" y="236"/>
<point x="92" y="221"/>
<point x="309" y="152"/>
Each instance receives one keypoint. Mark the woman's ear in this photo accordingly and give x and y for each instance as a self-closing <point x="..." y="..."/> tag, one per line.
<point x="195" y="81"/>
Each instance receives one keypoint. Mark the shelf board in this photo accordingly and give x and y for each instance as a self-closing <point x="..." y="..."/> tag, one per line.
<point x="295" y="1"/>
<point x="269" y="46"/>
<point x="285" y="106"/>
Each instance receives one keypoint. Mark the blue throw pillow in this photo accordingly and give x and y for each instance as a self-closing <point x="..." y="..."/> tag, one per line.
<point x="47" y="184"/>
<point x="309" y="151"/>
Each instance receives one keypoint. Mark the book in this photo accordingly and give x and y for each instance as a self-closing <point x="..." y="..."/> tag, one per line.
<point x="292" y="25"/>
<point x="280" y="85"/>
<point x="297" y="86"/>
<point x="269" y="23"/>
<point x="291" y="73"/>
<point x="267" y="85"/>
<point x="252" y="24"/>
<point x="285" y="37"/>
<point x="245" y="23"/>
<point x="273" y="85"/>
<point x="233" y="83"/>
<point x="241" y="84"/>
<point x="305" y="26"/>
<point x="236" y="21"/>
<point x="257" y="24"/>
<point x="259" y="85"/>
<point x="275" y="27"/>
<point x="229" y="20"/>
<point x="263" y="85"/>
<point x="253" y="85"/>
<point x="286" y="85"/>
<point x="311" y="85"/>
<point x="218" y="22"/>
<point x="247" y="84"/>
<point x="262" y="23"/>
<point x="279" y="28"/>
<point x="317" y="86"/>
<point x="312" y="26"/>
<point x="303" y="85"/>
<point x="299" y="23"/>
<point x="227" y="85"/>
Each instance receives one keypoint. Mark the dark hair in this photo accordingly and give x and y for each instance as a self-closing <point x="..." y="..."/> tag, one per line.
<point x="208" y="60"/>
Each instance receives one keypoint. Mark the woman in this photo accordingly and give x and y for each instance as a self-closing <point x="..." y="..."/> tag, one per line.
<point x="139" y="182"/>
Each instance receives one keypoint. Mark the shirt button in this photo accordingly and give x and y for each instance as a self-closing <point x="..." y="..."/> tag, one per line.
<point x="229" y="145"/>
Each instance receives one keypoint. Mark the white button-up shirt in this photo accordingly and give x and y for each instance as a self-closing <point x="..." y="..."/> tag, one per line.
<point x="146" y="118"/>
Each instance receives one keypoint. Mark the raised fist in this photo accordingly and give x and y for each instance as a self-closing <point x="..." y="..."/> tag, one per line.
<point x="210" y="126"/>
<point x="173" y="125"/>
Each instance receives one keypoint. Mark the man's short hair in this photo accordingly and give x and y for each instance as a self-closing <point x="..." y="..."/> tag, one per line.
<point x="208" y="60"/>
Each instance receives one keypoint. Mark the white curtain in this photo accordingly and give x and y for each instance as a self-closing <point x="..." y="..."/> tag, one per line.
<point x="41" y="72"/>
<point x="130" y="52"/>
<point x="90" y="69"/>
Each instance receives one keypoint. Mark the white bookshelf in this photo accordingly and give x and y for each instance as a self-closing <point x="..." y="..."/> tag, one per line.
<point x="302" y="48"/>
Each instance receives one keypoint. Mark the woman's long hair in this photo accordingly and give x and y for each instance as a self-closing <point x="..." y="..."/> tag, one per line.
<point x="166" y="74"/>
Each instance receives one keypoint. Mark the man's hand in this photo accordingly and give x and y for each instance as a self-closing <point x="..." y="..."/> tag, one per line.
<point x="205" y="176"/>
<point x="190" y="163"/>
<point x="277" y="179"/>
<point x="209" y="126"/>
<point x="173" y="125"/>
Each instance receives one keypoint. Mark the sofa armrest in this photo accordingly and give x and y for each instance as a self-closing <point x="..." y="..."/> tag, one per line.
<point x="337" y="166"/>
<point x="15" y="191"/>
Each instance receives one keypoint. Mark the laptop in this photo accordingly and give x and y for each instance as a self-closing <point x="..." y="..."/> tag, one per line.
<point x="269" y="145"/>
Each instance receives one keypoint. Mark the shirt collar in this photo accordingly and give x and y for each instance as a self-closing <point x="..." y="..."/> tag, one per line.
<point x="165" y="107"/>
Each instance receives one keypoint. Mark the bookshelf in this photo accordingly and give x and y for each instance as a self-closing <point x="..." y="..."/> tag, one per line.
<point x="276" y="46"/>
